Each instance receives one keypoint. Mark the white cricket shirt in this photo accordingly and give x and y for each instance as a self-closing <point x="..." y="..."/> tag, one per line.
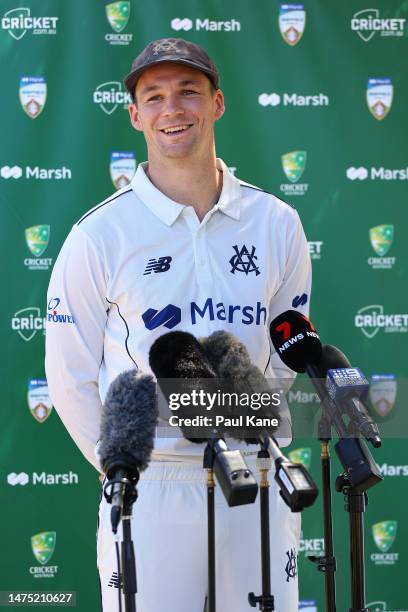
<point x="139" y="265"/>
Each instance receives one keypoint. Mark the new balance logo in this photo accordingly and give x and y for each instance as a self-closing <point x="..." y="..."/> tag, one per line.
<point x="14" y="172"/>
<point x="162" y="264"/>
<point x="114" y="581"/>
<point x="299" y="300"/>
<point x="18" y="479"/>
<point x="181" y="24"/>
<point x="357" y="173"/>
<point x="170" y="316"/>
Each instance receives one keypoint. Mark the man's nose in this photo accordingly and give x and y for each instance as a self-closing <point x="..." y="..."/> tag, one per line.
<point x="173" y="106"/>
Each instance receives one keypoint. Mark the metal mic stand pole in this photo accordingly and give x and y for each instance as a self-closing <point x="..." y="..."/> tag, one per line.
<point x="208" y="463"/>
<point x="127" y="549"/>
<point x="327" y="563"/>
<point x="266" y="600"/>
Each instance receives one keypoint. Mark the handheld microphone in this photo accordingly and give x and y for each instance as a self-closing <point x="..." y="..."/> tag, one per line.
<point x="231" y="359"/>
<point x="129" y="418"/>
<point x="179" y="355"/>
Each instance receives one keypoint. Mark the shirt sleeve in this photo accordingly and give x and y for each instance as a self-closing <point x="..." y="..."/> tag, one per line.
<point x="75" y="324"/>
<point x="294" y="290"/>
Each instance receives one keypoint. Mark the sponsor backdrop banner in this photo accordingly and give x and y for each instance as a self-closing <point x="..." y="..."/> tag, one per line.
<point x="316" y="113"/>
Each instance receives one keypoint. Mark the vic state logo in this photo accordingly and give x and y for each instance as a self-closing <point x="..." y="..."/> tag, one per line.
<point x="244" y="261"/>
<point x="39" y="401"/>
<point x="122" y="168"/>
<point x="383" y="393"/>
<point x="292" y="21"/>
<point x="33" y="94"/>
<point x="379" y="97"/>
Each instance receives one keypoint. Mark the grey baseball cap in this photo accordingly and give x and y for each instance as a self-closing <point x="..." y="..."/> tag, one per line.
<point x="176" y="50"/>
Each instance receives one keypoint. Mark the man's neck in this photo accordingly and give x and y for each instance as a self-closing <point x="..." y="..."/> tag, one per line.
<point x="194" y="184"/>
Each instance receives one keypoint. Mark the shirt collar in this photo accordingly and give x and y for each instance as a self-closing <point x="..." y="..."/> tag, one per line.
<point x="167" y="210"/>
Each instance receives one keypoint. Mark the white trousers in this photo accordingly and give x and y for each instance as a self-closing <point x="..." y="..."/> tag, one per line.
<point x="169" y="531"/>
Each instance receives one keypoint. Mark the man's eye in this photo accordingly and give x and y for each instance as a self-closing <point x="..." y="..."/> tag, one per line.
<point x="188" y="92"/>
<point x="154" y="98"/>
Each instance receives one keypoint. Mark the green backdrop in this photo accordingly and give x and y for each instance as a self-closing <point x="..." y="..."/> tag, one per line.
<point x="316" y="113"/>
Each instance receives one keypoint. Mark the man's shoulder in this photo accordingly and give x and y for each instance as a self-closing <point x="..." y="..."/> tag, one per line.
<point x="260" y="197"/>
<point x="106" y="207"/>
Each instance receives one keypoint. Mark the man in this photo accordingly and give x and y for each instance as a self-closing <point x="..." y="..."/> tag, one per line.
<point x="187" y="246"/>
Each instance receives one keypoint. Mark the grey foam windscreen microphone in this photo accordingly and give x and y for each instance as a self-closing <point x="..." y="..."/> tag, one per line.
<point x="129" y="419"/>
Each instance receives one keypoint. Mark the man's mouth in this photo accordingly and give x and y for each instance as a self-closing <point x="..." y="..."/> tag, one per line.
<point x="176" y="129"/>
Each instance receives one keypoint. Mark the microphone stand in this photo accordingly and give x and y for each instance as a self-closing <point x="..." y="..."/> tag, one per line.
<point x="128" y="477"/>
<point x="266" y="600"/>
<point x="208" y="463"/>
<point x="327" y="563"/>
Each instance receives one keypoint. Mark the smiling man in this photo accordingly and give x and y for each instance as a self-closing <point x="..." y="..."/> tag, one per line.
<point x="185" y="246"/>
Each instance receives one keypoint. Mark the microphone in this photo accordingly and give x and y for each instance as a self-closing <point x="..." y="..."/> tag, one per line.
<point x="179" y="355"/>
<point x="231" y="359"/>
<point x="298" y="345"/>
<point x="129" y="418"/>
<point x="346" y="386"/>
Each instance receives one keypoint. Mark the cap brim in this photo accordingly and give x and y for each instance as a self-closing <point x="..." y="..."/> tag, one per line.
<point x="132" y="78"/>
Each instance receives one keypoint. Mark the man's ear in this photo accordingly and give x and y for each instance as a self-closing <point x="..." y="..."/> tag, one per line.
<point x="135" y="117"/>
<point x="219" y="104"/>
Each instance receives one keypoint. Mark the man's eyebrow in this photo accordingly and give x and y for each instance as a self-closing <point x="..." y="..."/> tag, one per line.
<point x="155" y="87"/>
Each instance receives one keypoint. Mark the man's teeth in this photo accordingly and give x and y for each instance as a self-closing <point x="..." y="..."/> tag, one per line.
<point x="179" y="128"/>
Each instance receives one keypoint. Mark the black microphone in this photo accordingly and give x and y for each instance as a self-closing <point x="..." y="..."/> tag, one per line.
<point x="179" y="355"/>
<point x="346" y="386"/>
<point x="231" y="359"/>
<point x="298" y="344"/>
<point x="129" y="419"/>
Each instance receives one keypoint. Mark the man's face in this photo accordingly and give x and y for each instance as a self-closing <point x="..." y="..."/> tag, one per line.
<point x="176" y="108"/>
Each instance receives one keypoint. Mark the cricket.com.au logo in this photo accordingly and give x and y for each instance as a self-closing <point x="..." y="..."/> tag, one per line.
<point x="44" y="479"/>
<point x="117" y="14"/>
<point x="38" y="399"/>
<point x="384" y="534"/>
<point x="371" y="319"/>
<point x="381" y="238"/>
<point x="18" y="21"/>
<point x="37" y="239"/>
<point x="315" y="249"/>
<point x="33" y="95"/>
<point x="43" y="547"/>
<point x="377" y="174"/>
<point x="380" y="93"/>
<point x="292" y="21"/>
<point x="293" y="165"/>
<point x="122" y="168"/>
<point x="367" y="23"/>
<point x="111" y="94"/>
<point x="208" y="25"/>
<point x="292" y="99"/>
<point x="27" y="322"/>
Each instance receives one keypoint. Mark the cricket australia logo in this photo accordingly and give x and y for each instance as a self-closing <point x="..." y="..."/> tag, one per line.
<point x="291" y="565"/>
<point x="164" y="46"/>
<point x="162" y="264"/>
<point x="244" y="261"/>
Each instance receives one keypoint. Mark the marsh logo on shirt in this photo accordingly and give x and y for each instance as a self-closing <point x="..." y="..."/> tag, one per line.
<point x="170" y="315"/>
